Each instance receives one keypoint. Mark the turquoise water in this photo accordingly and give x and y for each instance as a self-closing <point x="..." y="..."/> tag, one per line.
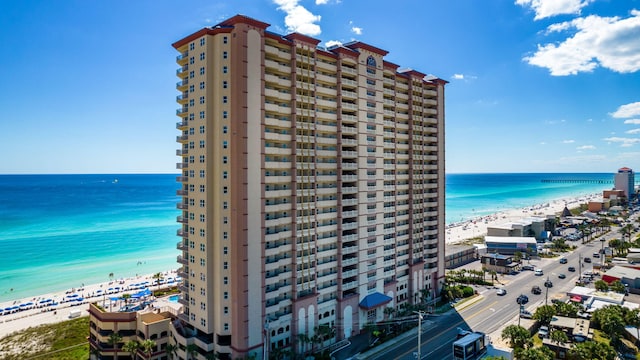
<point x="60" y="231"/>
<point x="174" y="298"/>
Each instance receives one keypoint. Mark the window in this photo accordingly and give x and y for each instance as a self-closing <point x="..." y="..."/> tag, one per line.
<point x="202" y="263"/>
<point x="202" y="42"/>
<point x="201" y="144"/>
<point x="224" y="129"/>
<point x="225" y="175"/>
<point x="224" y="84"/>
<point x="201" y="99"/>
<point x="371" y="93"/>
<point x="202" y="233"/>
<point x="202" y="70"/>
<point x="225" y="160"/>
<point x="191" y="117"/>
<point x="224" y="114"/>
<point x="371" y="82"/>
<point x="225" y="235"/>
<point x="202" y="127"/>
<point x="192" y="74"/>
<point x="191" y="131"/>
<point x="203" y="322"/>
<point x="201" y="85"/>
<point x="225" y="205"/>
<point x="191" y="159"/>
<point x="226" y="309"/>
<point x="224" y="99"/>
<point x="201" y="56"/>
<point x="201" y="173"/>
<point x="225" y="190"/>
<point x="225" y="220"/>
<point x="192" y="173"/>
<point x="225" y="295"/>
<point x="225" y="280"/>
<point x="202" y="203"/>
<point x="191" y="88"/>
<point x="191" y="144"/>
<point x="192" y="102"/>
<point x="224" y="39"/>
<point x="226" y="326"/>
<point x="224" y="144"/>
<point x="201" y="159"/>
<point x="225" y="265"/>
<point x="192" y="60"/>
<point x="225" y="250"/>
<point x="201" y="247"/>
<point x="192" y="46"/>
<point x="224" y="69"/>
<point x="224" y="55"/>
<point x="202" y="219"/>
<point x="201" y="188"/>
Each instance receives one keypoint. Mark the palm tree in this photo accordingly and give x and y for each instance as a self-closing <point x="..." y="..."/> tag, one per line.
<point x="131" y="347"/>
<point x="113" y="340"/>
<point x="148" y="346"/>
<point x="171" y="350"/>
<point x="632" y="318"/>
<point x="157" y="277"/>
<point x="191" y="350"/>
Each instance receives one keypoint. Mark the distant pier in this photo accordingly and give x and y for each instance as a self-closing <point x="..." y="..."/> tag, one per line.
<point x="577" y="181"/>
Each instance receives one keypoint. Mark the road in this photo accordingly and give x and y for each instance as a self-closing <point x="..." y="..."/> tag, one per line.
<point x="491" y="312"/>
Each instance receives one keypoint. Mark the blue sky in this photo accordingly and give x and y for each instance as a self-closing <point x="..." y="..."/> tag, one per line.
<point x="534" y="85"/>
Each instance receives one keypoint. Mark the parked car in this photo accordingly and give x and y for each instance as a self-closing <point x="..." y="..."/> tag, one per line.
<point x="543" y="332"/>
<point x="562" y="276"/>
<point x="539" y="272"/>
<point x="526" y="314"/>
<point x="536" y="290"/>
<point x="501" y="291"/>
<point x="587" y="260"/>
<point x="572" y="269"/>
<point x="596" y="255"/>
<point x="522" y="299"/>
<point x="528" y="267"/>
<point x="563" y="260"/>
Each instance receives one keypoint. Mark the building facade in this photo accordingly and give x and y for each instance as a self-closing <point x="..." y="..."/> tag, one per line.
<point x="625" y="180"/>
<point x="312" y="189"/>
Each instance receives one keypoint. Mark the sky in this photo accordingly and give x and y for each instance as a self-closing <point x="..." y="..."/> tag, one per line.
<point x="88" y="86"/>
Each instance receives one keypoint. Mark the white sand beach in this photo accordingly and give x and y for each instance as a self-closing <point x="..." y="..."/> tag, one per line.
<point x="37" y="310"/>
<point x="41" y="309"/>
<point x="459" y="232"/>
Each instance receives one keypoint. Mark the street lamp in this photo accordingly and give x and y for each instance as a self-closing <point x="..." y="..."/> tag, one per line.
<point x="420" y="314"/>
<point x="547" y="284"/>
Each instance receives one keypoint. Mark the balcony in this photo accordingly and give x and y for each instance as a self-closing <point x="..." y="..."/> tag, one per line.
<point x="182" y="260"/>
<point x="181" y="125"/>
<point x="182" y="138"/>
<point x="182" y="72"/>
<point x="182" y="99"/>
<point x="182" y="206"/>
<point x="182" y="165"/>
<point x="182" y="58"/>
<point x="181" y="219"/>
<point x="181" y="178"/>
<point x="181" y="192"/>
<point x="182" y="85"/>
<point x="181" y="233"/>
<point x="181" y="246"/>
<point x="182" y="111"/>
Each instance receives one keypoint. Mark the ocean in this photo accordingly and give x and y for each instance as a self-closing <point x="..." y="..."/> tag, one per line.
<point x="61" y="231"/>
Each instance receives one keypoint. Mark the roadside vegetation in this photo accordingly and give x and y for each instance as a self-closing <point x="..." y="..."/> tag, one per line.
<point x="66" y="340"/>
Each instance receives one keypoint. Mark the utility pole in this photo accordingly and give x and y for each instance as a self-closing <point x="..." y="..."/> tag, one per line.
<point x="580" y="267"/>
<point x="547" y="284"/>
<point x="420" y="314"/>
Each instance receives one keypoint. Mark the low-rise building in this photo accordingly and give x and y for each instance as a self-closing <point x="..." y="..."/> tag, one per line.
<point x="627" y="275"/>
<point x="501" y="264"/>
<point x="149" y="324"/>
<point x="511" y="245"/>
<point x="458" y="255"/>
<point x="538" y="227"/>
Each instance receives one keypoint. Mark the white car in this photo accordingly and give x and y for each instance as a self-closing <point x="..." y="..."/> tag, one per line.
<point x="501" y="291"/>
<point x="539" y="272"/>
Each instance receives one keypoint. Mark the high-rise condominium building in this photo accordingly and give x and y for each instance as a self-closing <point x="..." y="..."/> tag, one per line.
<point x="625" y="180"/>
<point x="312" y="189"/>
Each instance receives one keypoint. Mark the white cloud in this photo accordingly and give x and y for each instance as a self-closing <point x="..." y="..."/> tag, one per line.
<point x="627" y="111"/>
<point x="549" y="8"/>
<point x="586" y="147"/>
<point x="625" y="142"/>
<point x="331" y="43"/>
<point x="299" y="19"/>
<point x="609" y="42"/>
<point x="568" y="141"/>
<point x="356" y="30"/>
<point x="458" y="76"/>
<point x="322" y="2"/>
<point x="632" y="131"/>
<point x="632" y="121"/>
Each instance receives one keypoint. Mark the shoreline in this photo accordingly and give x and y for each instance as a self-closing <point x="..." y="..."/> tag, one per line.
<point x="41" y="313"/>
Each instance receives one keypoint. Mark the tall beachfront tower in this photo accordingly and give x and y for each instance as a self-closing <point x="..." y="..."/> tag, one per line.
<point x="312" y="190"/>
<point x="625" y="180"/>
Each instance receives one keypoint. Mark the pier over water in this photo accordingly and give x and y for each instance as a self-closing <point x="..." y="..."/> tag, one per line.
<point x="577" y="181"/>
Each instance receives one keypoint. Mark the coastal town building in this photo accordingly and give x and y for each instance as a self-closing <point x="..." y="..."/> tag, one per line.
<point x="509" y="245"/>
<point x="625" y="181"/>
<point x="501" y="264"/>
<point x="312" y="190"/>
<point x="149" y="324"/>
<point x="539" y="227"/>
<point x="458" y="255"/>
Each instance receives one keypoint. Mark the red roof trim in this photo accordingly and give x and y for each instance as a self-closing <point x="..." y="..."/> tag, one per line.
<point x="242" y="19"/>
<point x="200" y="33"/>
<point x="373" y="49"/>
<point x="344" y="50"/>
<point x="415" y="73"/>
<point x="389" y="64"/>
<point x="303" y="38"/>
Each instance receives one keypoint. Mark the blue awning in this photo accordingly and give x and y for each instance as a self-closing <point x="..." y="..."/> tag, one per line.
<point x="374" y="300"/>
